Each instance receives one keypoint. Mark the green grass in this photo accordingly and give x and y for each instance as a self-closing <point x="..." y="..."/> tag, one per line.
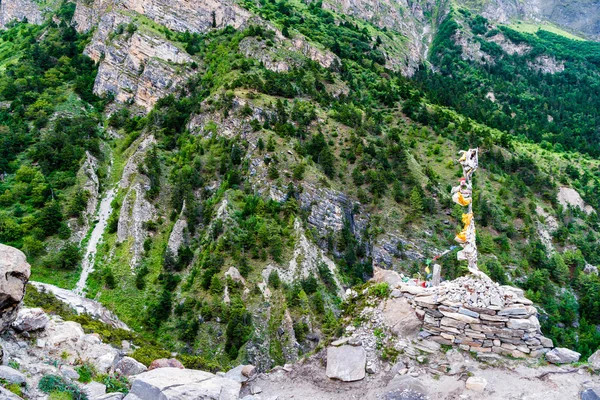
<point x="60" y="278"/>
<point x="528" y="27"/>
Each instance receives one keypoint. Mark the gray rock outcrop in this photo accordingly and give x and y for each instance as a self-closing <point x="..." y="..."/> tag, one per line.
<point x="346" y="363"/>
<point x="82" y="305"/>
<point x="128" y="366"/>
<point x="560" y="355"/>
<point x="14" y="275"/>
<point x="11" y="375"/>
<point x="19" y="10"/>
<point x="30" y="319"/>
<point x="594" y="360"/>
<point x="174" y="383"/>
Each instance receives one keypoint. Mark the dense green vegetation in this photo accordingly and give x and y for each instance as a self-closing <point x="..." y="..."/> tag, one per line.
<point x="385" y="141"/>
<point x="49" y="120"/>
<point x="556" y="109"/>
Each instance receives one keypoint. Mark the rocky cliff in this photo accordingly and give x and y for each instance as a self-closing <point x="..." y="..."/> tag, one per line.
<point x="137" y="67"/>
<point x="19" y="10"/>
<point x="579" y="17"/>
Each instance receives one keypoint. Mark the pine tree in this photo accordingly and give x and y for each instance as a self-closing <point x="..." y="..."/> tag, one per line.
<point x="416" y="200"/>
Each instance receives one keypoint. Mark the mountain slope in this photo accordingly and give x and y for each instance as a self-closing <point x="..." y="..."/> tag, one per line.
<point x="266" y="156"/>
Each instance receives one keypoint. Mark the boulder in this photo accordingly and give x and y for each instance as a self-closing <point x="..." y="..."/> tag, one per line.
<point x="346" y="363"/>
<point x="6" y="394"/>
<point x="400" y="316"/>
<point x="476" y="383"/>
<point x="165" y="363"/>
<point x="104" y="363"/>
<point x="249" y="371"/>
<point x="11" y="375"/>
<point x="94" y="390"/>
<point x="241" y="373"/>
<point x="405" y="387"/>
<point x="128" y="366"/>
<point x="111" y="396"/>
<point x="590" y="394"/>
<point x="169" y="383"/>
<point x="14" y="275"/>
<point x="594" y="360"/>
<point x="30" y="319"/>
<point x="560" y="355"/>
<point x="392" y="278"/>
<point x="235" y="275"/>
<point x="69" y="373"/>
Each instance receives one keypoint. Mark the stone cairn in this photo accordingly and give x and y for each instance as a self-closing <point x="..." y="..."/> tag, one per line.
<point x="473" y="312"/>
<point x="477" y="314"/>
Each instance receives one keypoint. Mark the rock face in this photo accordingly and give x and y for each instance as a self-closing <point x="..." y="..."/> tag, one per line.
<point x="346" y="363"/>
<point x="569" y="197"/>
<point x="560" y="355"/>
<point x="305" y="261"/>
<point x="579" y="16"/>
<point x="415" y="20"/>
<point x="19" y="10"/>
<point x="14" y="274"/>
<point x="197" y="16"/>
<point x="136" y="210"/>
<point x="30" y="319"/>
<point x="90" y="182"/>
<point x="174" y="383"/>
<point x="137" y="67"/>
<point x="82" y="305"/>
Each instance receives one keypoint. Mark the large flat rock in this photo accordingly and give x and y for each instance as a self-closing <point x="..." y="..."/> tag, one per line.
<point x="346" y="363"/>
<point x="182" y="384"/>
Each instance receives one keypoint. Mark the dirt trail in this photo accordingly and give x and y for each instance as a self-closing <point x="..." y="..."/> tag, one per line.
<point x="510" y="380"/>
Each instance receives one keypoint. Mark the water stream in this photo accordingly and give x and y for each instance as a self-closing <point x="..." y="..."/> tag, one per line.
<point x="103" y="214"/>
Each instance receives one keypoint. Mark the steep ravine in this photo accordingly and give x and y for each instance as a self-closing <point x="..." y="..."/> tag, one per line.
<point x="104" y="212"/>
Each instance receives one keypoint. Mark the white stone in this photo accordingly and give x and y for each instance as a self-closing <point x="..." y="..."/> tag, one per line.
<point x="95" y="389"/>
<point x="476" y="384"/>
<point x="30" y="319"/>
<point x="128" y="366"/>
<point x="346" y="363"/>
<point x="11" y="375"/>
<point x="561" y="355"/>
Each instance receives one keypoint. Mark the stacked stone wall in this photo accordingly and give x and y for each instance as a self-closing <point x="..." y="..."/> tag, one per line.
<point x="476" y="314"/>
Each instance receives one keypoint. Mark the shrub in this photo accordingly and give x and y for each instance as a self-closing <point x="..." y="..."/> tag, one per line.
<point x="147" y="354"/>
<point x="54" y="383"/>
<point x="116" y="384"/>
<point x="86" y="372"/>
<point x="381" y="290"/>
<point x="274" y="280"/>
